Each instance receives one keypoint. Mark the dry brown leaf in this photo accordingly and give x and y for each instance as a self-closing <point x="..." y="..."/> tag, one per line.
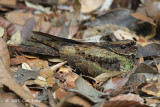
<point x="13" y="29"/>
<point x="127" y="97"/>
<point x="79" y="101"/>
<point x="39" y="8"/>
<point x="19" y="17"/>
<point x="141" y="60"/>
<point x="7" y="80"/>
<point x="6" y="99"/>
<point x="152" y="101"/>
<point x="115" y="83"/>
<point x="90" y="5"/>
<point x="64" y="70"/>
<point x="15" y="39"/>
<point x="152" y="89"/>
<point x="34" y="93"/>
<point x="30" y="57"/>
<point x="41" y="78"/>
<point x="142" y="17"/>
<point x="36" y="64"/>
<point x="4" y="23"/>
<point x="158" y="66"/>
<point x="147" y="8"/>
<point x="4" y="55"/>
<point x="17" y="60"/>
<point x="55" y="60"/>
<point x="52" y="102"/>
<point x="42" y="25"/>
<point x="106" y="76"/>
<point x="2" y="32"/>
<point x="75" y="15"/>
<point x="27" y="28"/>
<point x="123" y="104"/>
<point x="61" y="93"/>
<point x="51" y="81"/>
<point x="70" y="80"/>
<point x="8" y="2"/>
<point x="123" y="35"/>
<point x="40" y="83"/>
<point x="56" y="30"/>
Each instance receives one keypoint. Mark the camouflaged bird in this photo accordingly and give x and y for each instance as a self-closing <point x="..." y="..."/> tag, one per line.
<point x="90" y="58"/>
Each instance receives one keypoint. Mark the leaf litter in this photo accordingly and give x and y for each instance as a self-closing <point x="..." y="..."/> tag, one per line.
<point x="39" y="77"/>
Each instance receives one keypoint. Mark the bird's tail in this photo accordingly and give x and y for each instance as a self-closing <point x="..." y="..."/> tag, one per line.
<point x="45" y="44"/>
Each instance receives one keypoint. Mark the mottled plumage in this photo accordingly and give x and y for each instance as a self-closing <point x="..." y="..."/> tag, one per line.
<point x="90" y="58"/>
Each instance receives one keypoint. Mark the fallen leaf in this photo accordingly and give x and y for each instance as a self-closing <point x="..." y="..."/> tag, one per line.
<point x="4" y="23"/>
<point x="158" y="66"/>
<point x="123" y="104"/>
<point x="141" y="60"/>
<point x="7" y="80"/>
<point x="123" y="35"/>
<point x="39" y="7"/>
<point x="87" y="91"/>
<point x="142" y="17"/>
<point x="42" y="25"/>
<point x="128" y="97"/>
<point x="17" y="60"/>
<point x="144" y="68"/>
<point x="4" y="55"/>
<point x="139" y="78"/>
<point x="2" y="31"/>
<point x="8" y="2"/>
<point x="56" y="31"/>
<point x="152" y="89"/>
<point x="55" y="60"/>
<point x="42" y="78"/>
<point x="15" y="39"/>
<point x="37" y="64"/>
<point x="149" y="50"/>
<point x="61" y="93"/>
<point x="43" y="96"/>
<point x="26" y="66"/>
<point x="51" y="81"/>
<point x="13" y="29"/>
<point x="22" y="75"/>
<point x="114" y="17"/>
<point x="79" y="101"/>
<point x="7" y="97"/>
<point x="64" y="33"/>
<point x="150" y="101"/>
<point x="19" y="17"/>
<point x="30" y="57"/>
<point x="64" y="71"/>
<point x="40" y="83"/>
<point x="70" y="80"/>
<point x="90" y="5"/>
<point x="52" y="102"/>
<point x="106" y="76"/>
<point x="99" y="32"/>
<point x="115" y="83"/>
<point x="75" y="15"/>
<point x="27" y="28"/>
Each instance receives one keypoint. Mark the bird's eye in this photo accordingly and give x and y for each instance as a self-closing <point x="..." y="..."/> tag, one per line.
<point x="123" y="47"/>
